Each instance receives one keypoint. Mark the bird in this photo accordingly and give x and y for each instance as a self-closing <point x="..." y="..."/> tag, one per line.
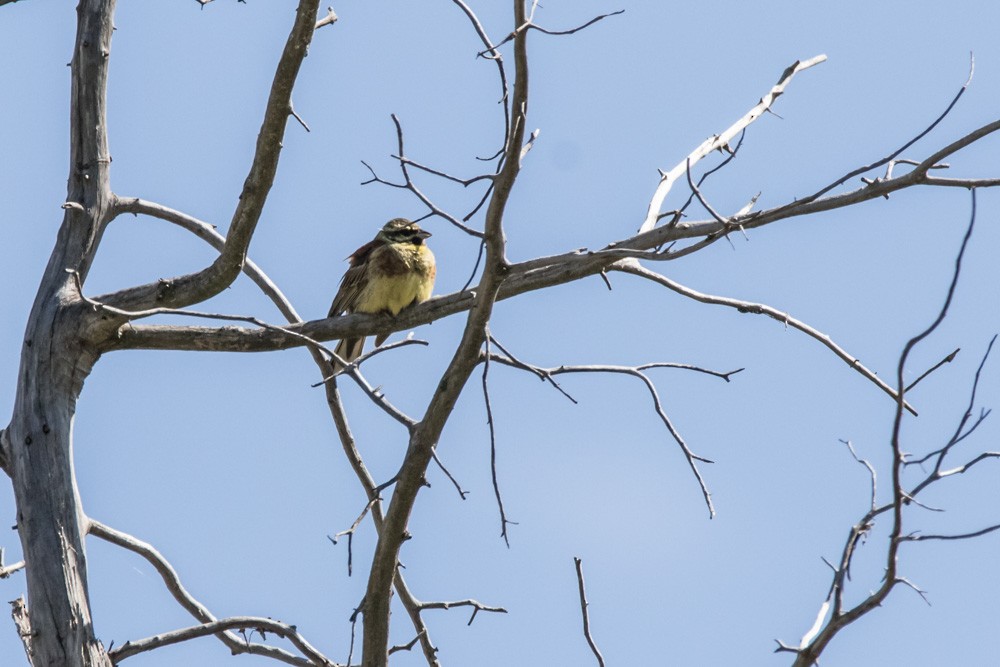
<point x="392" y="271"/>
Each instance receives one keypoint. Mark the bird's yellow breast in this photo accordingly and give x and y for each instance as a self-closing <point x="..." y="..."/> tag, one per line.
<point x="404" y="274"/>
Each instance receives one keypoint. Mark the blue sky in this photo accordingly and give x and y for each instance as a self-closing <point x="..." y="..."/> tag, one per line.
<point x="229" y="463"/>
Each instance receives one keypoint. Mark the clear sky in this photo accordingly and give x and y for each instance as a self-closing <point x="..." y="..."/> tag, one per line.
<point x="230" y="466"/>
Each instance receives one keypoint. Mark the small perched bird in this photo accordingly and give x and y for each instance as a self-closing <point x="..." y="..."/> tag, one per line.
<point x="387" y="274"/>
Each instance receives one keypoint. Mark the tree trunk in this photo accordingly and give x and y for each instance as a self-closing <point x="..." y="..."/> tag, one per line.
<point x="61" y="345"/>
<point x="50" y="520"/>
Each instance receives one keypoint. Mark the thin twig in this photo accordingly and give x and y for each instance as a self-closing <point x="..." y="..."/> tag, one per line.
<point x="476" y="605"/>
<point x="634" y="371"/>
<point x="404" y="647"/>
<point x="892" y="156"/>
<point x="458" y="487"/>
<point x="947" y="360"/>
<point x="350" y="533"/>
<point x="493" y="443"/>
<point x="962" y="536"/>
<point x="530" y="25"/>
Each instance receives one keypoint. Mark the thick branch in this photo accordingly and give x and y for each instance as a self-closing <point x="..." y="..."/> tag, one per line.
<point x="55" y="359"/>
<point x="425" y="435"/>
<point x="196" y="287"/>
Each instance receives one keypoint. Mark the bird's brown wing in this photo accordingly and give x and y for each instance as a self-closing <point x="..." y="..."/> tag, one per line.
<point x="353" y="281"/>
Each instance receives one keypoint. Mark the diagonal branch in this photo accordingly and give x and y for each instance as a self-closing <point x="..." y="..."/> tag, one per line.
<point x="720" y="141"/>
<point x="208" y="233"/>
<point x="892" y="156"/>
<point x="254" y="623"/>
<point x="426" y="434"/>
<point x="476" y="605"/>
<point x="636" y="269"/>
<point x="199" y="611"/>
<point x="827" y="627"/>
<point x="495" y="56"/>
<point x="196" y="287"/>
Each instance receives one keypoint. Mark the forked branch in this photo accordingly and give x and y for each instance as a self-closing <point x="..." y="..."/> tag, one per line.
<point x="196" y="287"/>
<point x="833" y="617"/>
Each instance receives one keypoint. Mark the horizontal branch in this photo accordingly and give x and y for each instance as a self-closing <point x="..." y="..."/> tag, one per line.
<point x="962" y="536"/>
<point x="7" y="570"/>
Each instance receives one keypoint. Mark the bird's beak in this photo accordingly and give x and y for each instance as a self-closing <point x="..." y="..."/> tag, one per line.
<point x="423" y="234"/>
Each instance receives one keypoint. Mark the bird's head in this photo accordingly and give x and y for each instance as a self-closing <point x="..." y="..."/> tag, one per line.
<point x="401" y="230"/>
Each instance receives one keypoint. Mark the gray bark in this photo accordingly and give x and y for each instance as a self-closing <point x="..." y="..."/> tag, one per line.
<point x="56" y="357"/>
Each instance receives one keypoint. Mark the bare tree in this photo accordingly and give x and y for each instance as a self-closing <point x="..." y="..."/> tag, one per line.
<point x="68" y="332"/>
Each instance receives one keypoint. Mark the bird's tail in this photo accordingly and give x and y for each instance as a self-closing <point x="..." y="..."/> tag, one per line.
<point x="348" y="349"/>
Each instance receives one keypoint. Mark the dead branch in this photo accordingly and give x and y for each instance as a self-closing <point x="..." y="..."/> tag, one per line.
<point x="504" y="521"/>
<point x="832" y="617"/>
<point x="19" y="612"/>
<point x="7" y="570"/>
<point x="329" y="19"/>
<point x="636" y="269"/>
<point x="668" y="178"/>
<point x="408" y="184"/>
<point x="530" y="25"/>
<point x="207" y="233"/>
<point x="173" y="583"/>
<point x="404" y="647"/>
<point x="961" y="432"/>
<point x="496" y="57"/>
<point x="199" y="286"/>
<point x="427" y="433"/>
<point x="476" y="605"/>
<point x="350" y="534"/>
<point x="635" y="371"/>
<point x="586" y="614"/>
<point x="243" y="623"/>
<point x="947" y="360"/>
<point x="896" y="153"/>
<point x="462" y="493"/>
